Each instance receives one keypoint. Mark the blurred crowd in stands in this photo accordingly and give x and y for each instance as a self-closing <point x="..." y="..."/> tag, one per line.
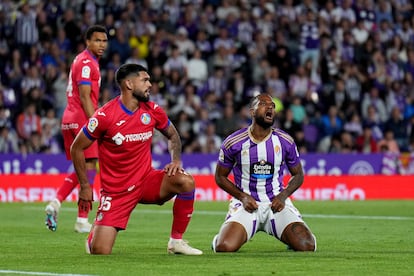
<point x="341" y="71"/>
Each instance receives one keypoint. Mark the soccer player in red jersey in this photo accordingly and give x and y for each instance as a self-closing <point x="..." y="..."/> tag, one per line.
<point x="82" y="100"/>
<point x="123" y="129"/>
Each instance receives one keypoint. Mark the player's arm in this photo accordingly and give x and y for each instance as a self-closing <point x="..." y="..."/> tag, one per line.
<point x="222" y="180"/>
<point x="80" y="143"/>
<point x="295" y="181"/>
<point x="174" y="147"/>
<point x="85" y="98"/>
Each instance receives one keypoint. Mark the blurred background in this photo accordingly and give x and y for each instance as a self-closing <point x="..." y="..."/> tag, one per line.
<point x="340" y="71"/>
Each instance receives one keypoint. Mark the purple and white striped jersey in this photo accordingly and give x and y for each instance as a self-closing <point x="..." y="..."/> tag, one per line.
<point x="258" y="166"/>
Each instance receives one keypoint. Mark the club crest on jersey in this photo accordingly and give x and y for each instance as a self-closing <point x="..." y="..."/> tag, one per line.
<point x="92" y="124"/>
<point x="86" y="72"/>
<point x="99" y="217"/>
<point x="262" y="170"/>
<point x="145" y="118"/>
<point x="221" y="155"/>
<point x="277" y="149"/>
<point x="118" y="139"/>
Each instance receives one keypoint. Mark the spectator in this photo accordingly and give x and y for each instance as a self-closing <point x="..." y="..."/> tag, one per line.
<point x="239" y="85"/>
<point x="388" y="143"/>
<point x="378" y="55"/>
<point x="373" y="120"/>
<point x="26" y="31"/>
<point x="197" y="70"/>
<point x="354" y="82"/>
<point x="28" y="122"/>
<point x="354" y="125"/>
<point x="298" y="110"/>
<point x="185" y="45"/>
<point x="32" y="79"/>
<point x="208" y="141"/>
<point x="136" y="58"/>
<point x="188" y="102"/>
<point x="365" y="143"/>
<point x="245" y="28"/>
<point x="203" y="44"/>
<point x="213" y="105"/>
<point x="331" y="122"/>
<point x="275" y="85"/>
<point x="309" y="39"/>
<point x="330" y="65"/>
<point x="183" y="124"/>
<point x="120" y="45"/>
<point x="339" y="98"/>
<point x="398" y="126"/>
<point x="372" y="98"/>
<point x="299" y="83"/>
<point x="176" y="61"/>
<point x="228" y="123"/>
<point x="217" y="81"/>
<point x="360" y="33"/>
<point x="8" y="140"/>
<point x="72" y="30"/>
<point x="288" y="123"/>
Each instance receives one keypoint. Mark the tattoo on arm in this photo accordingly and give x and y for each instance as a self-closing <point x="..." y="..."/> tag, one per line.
<point x="174" y="142"/>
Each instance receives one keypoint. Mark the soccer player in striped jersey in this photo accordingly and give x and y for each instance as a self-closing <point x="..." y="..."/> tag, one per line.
<point x="123" y="129"/>
<point x="257" y="156"/>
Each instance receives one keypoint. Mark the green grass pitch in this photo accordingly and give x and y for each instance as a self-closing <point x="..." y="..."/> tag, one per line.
<point x="354" y="238"/>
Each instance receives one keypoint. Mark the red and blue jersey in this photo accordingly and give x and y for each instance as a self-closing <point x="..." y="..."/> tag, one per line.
<point x="84" y="71"/>
<point x="124" y="140"/>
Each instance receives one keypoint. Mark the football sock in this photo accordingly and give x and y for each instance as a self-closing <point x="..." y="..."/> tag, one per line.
<point x="91" y="173"/>
<point x="69" y="183"/>
<point x="182" y="211"/>
<point x="82" y="220"/>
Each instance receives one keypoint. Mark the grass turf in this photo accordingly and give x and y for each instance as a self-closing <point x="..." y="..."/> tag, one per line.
<point x="354" y="238"/>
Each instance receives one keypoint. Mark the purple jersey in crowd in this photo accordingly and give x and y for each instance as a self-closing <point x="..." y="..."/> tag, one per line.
<point x="258" y="165"/>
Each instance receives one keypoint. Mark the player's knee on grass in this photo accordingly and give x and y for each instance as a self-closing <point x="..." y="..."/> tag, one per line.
<point x="299" y="237"/>
<point x="100" y="249"/>
<point x="226" y="246"/>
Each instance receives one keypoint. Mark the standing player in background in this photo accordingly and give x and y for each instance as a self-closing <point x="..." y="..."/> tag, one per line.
<point x="82" y="96"/>
<point x="124" y="128"/>
<point x="257" y="155"/>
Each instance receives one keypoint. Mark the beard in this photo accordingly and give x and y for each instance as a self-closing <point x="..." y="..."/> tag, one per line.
<point x="264" y="124"/>
<point x="140" y="97"/>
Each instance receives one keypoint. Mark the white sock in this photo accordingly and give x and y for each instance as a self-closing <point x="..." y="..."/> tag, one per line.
<point x="57" y="201"/>
<point x="174" y="240"/>
<point x="82" y="220"/>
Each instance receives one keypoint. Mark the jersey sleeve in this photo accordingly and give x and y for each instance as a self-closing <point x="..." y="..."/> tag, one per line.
<point x="225" y="158"/>
<point x="96" y="125"/>
<point x="292" y="155"/>
<point x="161" y="118"/>
<point x="83" y="72"/>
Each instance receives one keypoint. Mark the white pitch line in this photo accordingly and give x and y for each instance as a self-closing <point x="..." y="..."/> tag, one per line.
<point x="39" y="273"/>
<point x="223" y="213"/>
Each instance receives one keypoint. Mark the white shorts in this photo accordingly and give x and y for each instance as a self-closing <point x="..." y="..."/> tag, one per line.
<point x="263" y="219"/>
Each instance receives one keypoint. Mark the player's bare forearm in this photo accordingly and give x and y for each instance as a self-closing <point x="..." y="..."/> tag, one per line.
<point x="80" y="143"/>
<point x="295" y="181"/>
<point x="79" y="164"/>
<point x="174" y="142"/>
<point x="85" y="97"/>
<point x="228" y="186"/>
